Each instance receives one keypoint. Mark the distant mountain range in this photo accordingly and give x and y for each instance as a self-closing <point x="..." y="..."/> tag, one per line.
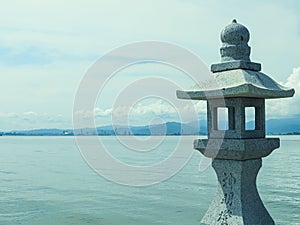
<point x="273" y="126"/>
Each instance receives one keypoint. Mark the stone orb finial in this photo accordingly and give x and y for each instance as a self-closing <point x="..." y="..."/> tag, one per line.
<point x="235" y="39"/>
<point x="235" y="33"/>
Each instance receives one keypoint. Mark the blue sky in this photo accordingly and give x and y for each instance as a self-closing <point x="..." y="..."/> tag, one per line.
<point x="46" y="47"/>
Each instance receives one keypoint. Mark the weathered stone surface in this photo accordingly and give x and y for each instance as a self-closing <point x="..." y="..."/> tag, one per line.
<point x="237" y="201"/>
<point x="236" y="118"/>
<point x="236" y="149"/>
<point x="235" y="39"/>
<point x="237" y="83"/>
<point x="236" y="64"/>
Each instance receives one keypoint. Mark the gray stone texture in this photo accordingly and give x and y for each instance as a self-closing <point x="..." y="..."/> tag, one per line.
<point x="237" y="64"/>
<point x="236" y="152"/>
<point x="237" y="201"/>
<point x="235" y="39"/>
<point x="237" y="83"/>
<point x="236" y="149"/>
<point x="236" y="110"/>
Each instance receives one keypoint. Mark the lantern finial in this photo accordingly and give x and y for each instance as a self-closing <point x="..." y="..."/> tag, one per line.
<point x="235" y="39"/>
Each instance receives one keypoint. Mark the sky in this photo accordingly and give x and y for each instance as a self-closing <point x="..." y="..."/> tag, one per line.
<point x="47" y="47"/>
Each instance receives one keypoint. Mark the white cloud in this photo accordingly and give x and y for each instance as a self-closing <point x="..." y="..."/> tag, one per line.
<point x="81" y="29"/>
<point x="30" y="113"/>
<point x="158" y="108"/>
<point x="48" y="88"/>
<point x="46" y="46"/>
<point x="286" y="107"/>
<point x="145" y="112"/>
<point x="102" y="113"/>
<point x="32" y="120"/>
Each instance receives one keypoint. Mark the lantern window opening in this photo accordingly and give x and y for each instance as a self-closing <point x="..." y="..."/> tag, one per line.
<point x="222" y="120"/>
<point x="251" y="118"/>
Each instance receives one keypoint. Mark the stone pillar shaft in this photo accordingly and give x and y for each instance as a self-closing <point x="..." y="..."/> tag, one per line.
<point x="237" y="201"/>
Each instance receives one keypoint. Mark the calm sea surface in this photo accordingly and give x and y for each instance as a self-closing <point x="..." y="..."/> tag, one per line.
<point x="44" y="180"/>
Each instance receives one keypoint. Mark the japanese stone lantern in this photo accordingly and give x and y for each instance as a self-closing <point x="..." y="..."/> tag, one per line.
<point x="236" y="150"/>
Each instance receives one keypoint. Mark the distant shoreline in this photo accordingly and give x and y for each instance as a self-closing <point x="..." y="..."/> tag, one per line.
<point x="136" y="135"/>
<point x="290" y="126"/>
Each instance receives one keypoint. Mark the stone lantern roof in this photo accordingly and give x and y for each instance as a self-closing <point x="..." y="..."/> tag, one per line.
<point x="236" y="75"/>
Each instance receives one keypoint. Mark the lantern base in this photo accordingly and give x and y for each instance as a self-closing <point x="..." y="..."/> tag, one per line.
<point x="237" y="201"/>
<point x="236" y="149"/>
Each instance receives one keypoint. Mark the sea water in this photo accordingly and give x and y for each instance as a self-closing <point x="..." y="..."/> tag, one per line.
<point x="45" y="180"/>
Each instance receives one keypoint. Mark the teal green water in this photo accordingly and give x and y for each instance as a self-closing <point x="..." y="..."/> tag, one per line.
<point x="44" y="180"/>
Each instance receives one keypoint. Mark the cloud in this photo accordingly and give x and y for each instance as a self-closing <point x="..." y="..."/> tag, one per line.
<point x="48" y="88"/>
<point x="46" y="49"/>
<point x="286" y="107"/>
<point x="142" y="112"/>
<point x="102" y="113"/>
<point x="145" y="112"/>
<point x="30" y="113"/>
<point x="32" y="120"/>
<point x="55" y="30"/>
